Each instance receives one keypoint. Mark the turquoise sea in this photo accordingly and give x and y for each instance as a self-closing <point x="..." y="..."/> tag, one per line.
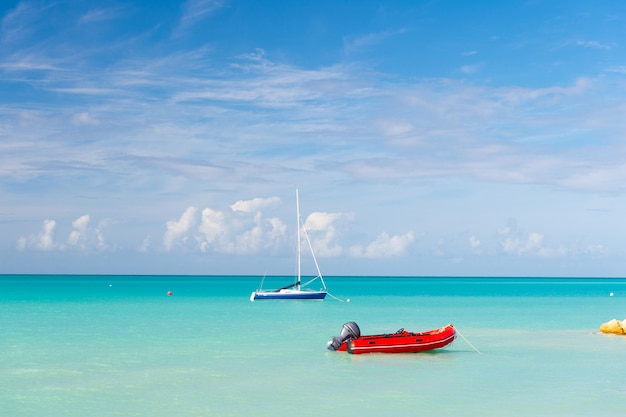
<point x="120" y="346"/>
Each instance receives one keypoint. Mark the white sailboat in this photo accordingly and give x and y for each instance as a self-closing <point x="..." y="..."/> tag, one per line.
<point x="297" y="290"/>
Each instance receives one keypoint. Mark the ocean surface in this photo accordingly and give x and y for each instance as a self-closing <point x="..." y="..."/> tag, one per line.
<point x="121" y="346"/>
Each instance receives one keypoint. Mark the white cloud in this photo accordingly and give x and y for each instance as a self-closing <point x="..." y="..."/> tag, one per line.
<point x="195" y="11"/>
<point x="84" y="119"/>
<point x="42" y="241"/>
<point x="392" y="128"/>
<point x="277" y="229"/>
<point x="21" y="21"/>
<point x="596" y="44"/>
<point x="82" y="222"/>
<point x="357" y="43"/>
<point x="145" y="245"/>
<point x="531" y="244"/>
<point x="474" y="242"/>
<point x="45" y="239"/>
<point x="323" y="233"/>
<point x="317" y="221"/>
<point x="100" y="242"/>
<point x="212" y="226"/>
<point x="248" y="206"/>
<point x="471" y="69"/>
<point x="81" y="238"/>
<point x="253" y="239"/>
<point x="384" y="246"/>
<point x="246" y="229"/>
<point x="80" y="226"/>
<point x="100" y="15"/>
<point x="250" y="234"/>
<point x="177" y="230"/>
<point x="596" y="250"/>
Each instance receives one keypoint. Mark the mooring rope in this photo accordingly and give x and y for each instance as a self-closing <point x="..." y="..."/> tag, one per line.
<point x="467" y="341"/>
<point x="339" y="299"/>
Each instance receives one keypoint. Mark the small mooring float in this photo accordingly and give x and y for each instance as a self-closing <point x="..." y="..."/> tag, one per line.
<point x="402" y="341"/>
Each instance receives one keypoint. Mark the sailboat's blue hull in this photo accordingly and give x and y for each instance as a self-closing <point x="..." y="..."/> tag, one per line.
<point x="288" y="295"/>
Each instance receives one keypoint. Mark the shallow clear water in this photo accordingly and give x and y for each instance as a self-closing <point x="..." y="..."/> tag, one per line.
<point x="119" y="346"/>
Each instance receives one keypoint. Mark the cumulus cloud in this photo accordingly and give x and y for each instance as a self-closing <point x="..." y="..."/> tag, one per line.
<point x="323" y="233"/>
<point x="81" y="237"/>
<point x="45" y="239"/>
<point x="475" y="244"/>
<point x="212" y="226"/>
<point x="517" y="242"/>
<point x="243" y="229"/>
<point x="251" y="239"/>
<point x="249" y="227"/>
<point x="177" y="230"/>
<point x="238" y="231"/>
<point x="530" y="243"/>
<point x="80" y="228"/>
<point x="42" y="241"/>
<point x="248" y="206"/>
<point x="384" y="246"/>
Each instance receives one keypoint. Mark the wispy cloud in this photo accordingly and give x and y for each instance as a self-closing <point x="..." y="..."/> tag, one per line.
<point x="357" y="43"/>
<point x="127" y="113"/>
<point x="485" y="130"/>
<point x="194" y="11"/>
<point x="472" y="68"/>
<point x="595" y="44"/>
<point x="101" y="15"/>
<point x="22" y="21"/>
<point x="28" y="63"/>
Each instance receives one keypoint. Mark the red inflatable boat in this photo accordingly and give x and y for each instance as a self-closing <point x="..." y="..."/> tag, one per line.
<point x="402" y="341"/>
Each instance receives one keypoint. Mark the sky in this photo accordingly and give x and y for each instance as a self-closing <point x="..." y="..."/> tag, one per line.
<point x="425" y="137"/>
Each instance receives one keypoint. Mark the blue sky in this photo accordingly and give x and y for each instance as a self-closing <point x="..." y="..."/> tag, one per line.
<point x="478" y="138"/>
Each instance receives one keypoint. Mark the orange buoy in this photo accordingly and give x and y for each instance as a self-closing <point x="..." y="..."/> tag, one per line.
<point x="169" y="293"/>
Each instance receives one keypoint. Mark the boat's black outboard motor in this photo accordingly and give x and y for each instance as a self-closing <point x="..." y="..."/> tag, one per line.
<point x="349" y="331"/>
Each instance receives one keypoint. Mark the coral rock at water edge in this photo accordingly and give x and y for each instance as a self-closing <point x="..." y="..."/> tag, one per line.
<point x="613" y="326"/>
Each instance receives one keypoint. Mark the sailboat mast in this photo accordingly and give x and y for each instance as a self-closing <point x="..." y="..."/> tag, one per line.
<point x="298" y="228"/>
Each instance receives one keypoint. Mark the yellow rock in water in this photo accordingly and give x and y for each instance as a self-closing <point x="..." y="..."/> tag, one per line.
<point x="613" y="326"/>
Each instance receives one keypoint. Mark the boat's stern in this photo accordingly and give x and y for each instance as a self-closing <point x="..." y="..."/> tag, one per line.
<point x="349" y="331"/>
